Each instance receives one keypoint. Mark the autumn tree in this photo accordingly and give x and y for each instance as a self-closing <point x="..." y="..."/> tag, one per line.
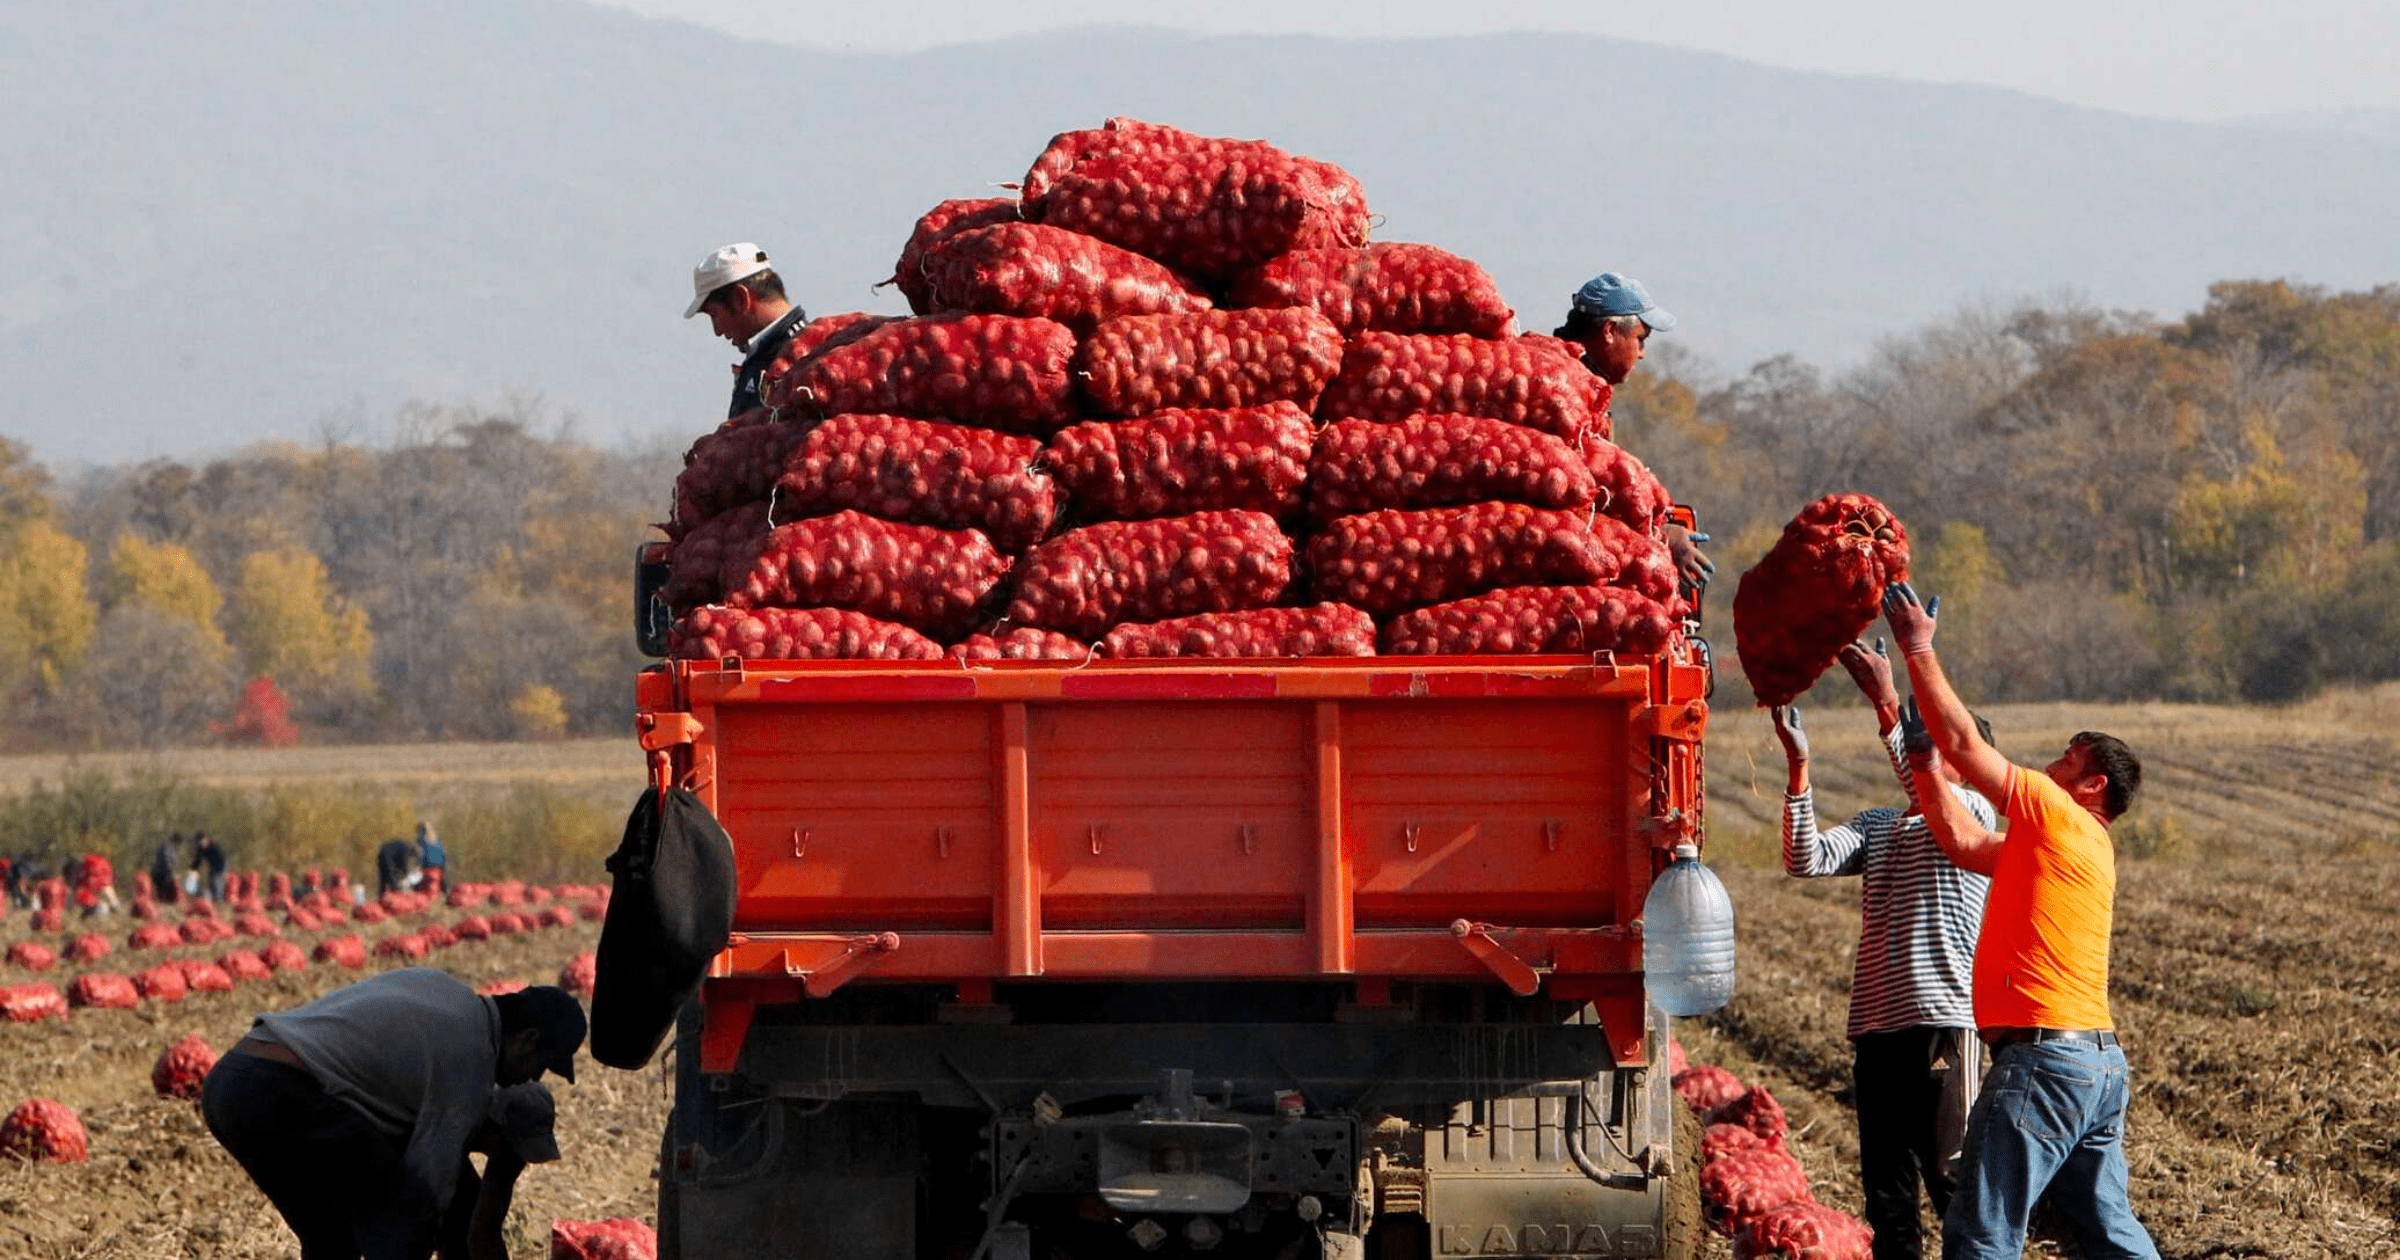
<point x="47" y="619"/>
<point x="290" y="626"/>
<point x="164" y="578"/>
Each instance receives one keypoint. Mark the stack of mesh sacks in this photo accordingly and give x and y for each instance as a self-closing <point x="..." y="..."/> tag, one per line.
<point x="1168" y="401"/>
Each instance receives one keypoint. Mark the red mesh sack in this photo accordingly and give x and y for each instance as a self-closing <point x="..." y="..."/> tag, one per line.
<point x="735" y="465"/>
<point x="1534" y="619"/>
<point x="617" y="1238"/>
<point x="1438" y="461"/>
<point x="473" y="927"/>
<point x="302" y="919"/>
<point x="1118" y="137"/>
<point x="1320" y="630"/>
<point x="509" y="924"/>
<point x="579" y="974"/>
<point x="407" y="945"/>
<point x="1175" y="462"/>
<point x="256" y="925"/>
<point x="1705" y="1087"/>
<point x="196" y="932"/>
<point x="345" y="950"/>
<point x="494" y="988"/>
<point x="437" y="936"/>
<point x="1205" y="206"/>
<point x="509" y="892"/>
<point x="51" y="919"/>
<point x="243" y="964"/>
<point x="283" y="956"/>
<point x="1534" y="381"/>
<point x="923" y="472"/>
<point x="1022" y="643"/>
<point x="203" y="976"/>
<point x="1628" y="491"/>
<point x="154" y="936"/>
<point x="694" y="560"/>
<point x="1147" y="363"/>
<point x="1388" y="562"/>
<point x="1816" y="590"/>
<point x="1084" y="581"/>
<point x="997" y="371"/>
<point x="89" y="947"/>
<point x="44" y="1130"/>
<point x="162" y="983"/>
<point x="713" y="633"/>
<point x="102" y="989"/>
<point x="960" y="214"/>
<point x="181" y="1067"/>
<point x="1804" y="1231"/>
<point x="1389" y="286"/>
<point x="32" y="956"/>
<point x="1040" y="270"/>
<point x="932" y="580"/>
<point x="1737" y="1188"/>
<point x="1755" y="1110"/>
<point x="1726" y="1139"/>
<point x="32" y="1003"/>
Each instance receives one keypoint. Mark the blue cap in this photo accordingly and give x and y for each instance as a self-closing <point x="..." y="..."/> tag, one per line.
<point x="1609" y="294"/>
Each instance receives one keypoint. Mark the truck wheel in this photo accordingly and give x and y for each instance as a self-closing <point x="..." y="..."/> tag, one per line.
<point x="1682" y="1228"/>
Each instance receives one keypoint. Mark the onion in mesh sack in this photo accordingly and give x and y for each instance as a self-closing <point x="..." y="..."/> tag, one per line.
<point x="1036" y="269"/>
<point x="996" y="371"/>
<point x="933" y="580"/>
<point x="924" y="472"/>
<point x="1439" y="461"/>
<point x="1534" y="381"/>
<point x="1319" y="630"/>
<point x="961" y="214"/>
<point x="715" y="633"/>
<point x="1388" y="562"/>
<point x="1148" y="363"/>
<point x="1178" y="461"/>
<point x="1816" y="590"/>
<point x="1388" y="286"/>
<point x="1086" y="580"/>
<point x="1533" y="620"/>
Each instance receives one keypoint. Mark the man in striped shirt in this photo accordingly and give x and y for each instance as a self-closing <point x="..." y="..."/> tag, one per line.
<point x="1912" y="1023"/>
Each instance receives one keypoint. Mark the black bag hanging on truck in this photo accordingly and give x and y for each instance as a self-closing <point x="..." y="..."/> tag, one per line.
<point x="670" y="911"/>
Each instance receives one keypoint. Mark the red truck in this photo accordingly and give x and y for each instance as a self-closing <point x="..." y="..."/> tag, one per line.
<point x="1293" y="958"/>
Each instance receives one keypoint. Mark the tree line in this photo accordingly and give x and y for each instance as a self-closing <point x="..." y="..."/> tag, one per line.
<point x="2113" y="507"/>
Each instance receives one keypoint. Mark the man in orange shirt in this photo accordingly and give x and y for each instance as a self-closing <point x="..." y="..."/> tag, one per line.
<point x="2052" y="1115"/>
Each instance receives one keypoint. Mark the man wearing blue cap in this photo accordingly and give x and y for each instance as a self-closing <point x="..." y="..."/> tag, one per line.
<point x="1610" y="320"/>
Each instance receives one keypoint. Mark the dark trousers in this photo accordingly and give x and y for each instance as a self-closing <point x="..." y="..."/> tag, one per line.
<point x="1906" y="1135"/>
<point x="339" y="1182"/>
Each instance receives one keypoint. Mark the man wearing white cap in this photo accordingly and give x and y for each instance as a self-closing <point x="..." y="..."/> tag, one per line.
<point x="746" y="305"/>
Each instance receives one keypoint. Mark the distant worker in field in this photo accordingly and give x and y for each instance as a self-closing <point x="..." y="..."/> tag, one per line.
<point x="395" y="861"/>
<point x="1916" y="1061"/>
<point x="208" y="861"/>
<point x="746" y="305"/>
<point x="355" y="1113"/>
<point x="2041" y="969"/>
<point x="94" y="881"/>
<point x="1610" y="320"/>
<point x="166" y="865"/>
<point x="432" y="859"/>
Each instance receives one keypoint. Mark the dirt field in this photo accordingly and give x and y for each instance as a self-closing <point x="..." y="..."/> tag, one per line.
<point x="2254" y="985"/>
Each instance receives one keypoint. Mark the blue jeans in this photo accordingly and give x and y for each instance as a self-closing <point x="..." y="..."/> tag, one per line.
<point x="2051" y="1118"/>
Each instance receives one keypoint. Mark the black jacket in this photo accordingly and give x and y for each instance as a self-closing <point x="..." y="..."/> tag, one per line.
<point x="769" y="342"/>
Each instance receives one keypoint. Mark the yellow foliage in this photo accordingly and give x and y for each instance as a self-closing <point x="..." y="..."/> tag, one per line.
<point x="539" y="712"/>
<point x="580" y="557"/>
<point x="2275" y="520"/>
<point x="46" y="616"/>
<point x="165" y="577"/>
<point x="293" y="629"/>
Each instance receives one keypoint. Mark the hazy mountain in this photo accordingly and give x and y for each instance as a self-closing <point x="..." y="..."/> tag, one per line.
<point x="226" y="219"/>
<point x="2380" y="125"/>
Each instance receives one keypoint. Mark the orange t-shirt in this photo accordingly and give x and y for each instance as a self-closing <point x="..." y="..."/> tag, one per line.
<point x="2041" y="960"/>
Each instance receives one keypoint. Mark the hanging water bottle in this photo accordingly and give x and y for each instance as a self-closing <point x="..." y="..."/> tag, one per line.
<point x="1687" y="937"/>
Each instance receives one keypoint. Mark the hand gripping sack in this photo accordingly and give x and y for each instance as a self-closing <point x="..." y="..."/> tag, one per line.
<point x="670" y="910"/>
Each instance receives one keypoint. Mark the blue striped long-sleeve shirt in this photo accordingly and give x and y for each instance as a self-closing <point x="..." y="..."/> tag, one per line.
<point x="1918" y="913"/>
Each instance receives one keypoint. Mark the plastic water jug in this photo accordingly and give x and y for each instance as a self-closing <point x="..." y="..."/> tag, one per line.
<point x="1687" y="938"/>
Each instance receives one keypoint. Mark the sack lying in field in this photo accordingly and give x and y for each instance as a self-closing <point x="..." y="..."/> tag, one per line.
<point x="407" y="945"/>
<point x="283" y="956"/>
<point x="243" y="964"/>
<point x="1084" y="581"/>
<point x="1704" y="1087"/>
<point x="89" y="947"/>
<point x="1534" y="619"/>
<point x="923" y="472"/>
<point x="162" y="983"/>
<point x="180" y="1068"/>
<point x="996" y="371"/>
<point x="32" y="955"/>
<point x="346" y="950"/>
<point x="1737" y="1188"/>
<point x="1205" y="206"/>
<point x="1024" y="643"/>
<point x="1804" y="1231"/>
<point x="1756" y="1110"/>
<point x="618" y="1238"/>
<point x="44" y="1130"/>
<point x="1389" y="562"/>
<point x="1720" y="1140"/>
<point x="1439" y="461"/>
<point x="734" y="466"/>
<point x="154" y="936"/>
<point x="1534" y="381"/>
<point x="1148" y="363"/>
<point x="577" y="975"/>
<point x="1320" y="630"/>
<point x="1175" y="462"/>
<point x="1036" y="269"/>
<point x="1816" y="590"/>
<point x="713" y="633"/>
<point x="203" y="976"/>
<point x="932" y="580"/>
<point x="1628" y="491"/>
<point x="32" y="1003"/>
<point x="102" y="989"/>
<point x="962" y="214"/>
<point x="1388" y="286"/>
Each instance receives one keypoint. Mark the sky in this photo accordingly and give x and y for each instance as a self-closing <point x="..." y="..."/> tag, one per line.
<point x="2199" y="60"/>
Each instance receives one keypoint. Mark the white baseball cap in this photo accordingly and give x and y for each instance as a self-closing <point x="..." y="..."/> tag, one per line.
<point x="722" y="267"/>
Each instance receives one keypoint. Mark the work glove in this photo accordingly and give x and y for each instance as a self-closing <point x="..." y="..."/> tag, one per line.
<point x="1911" y="621"/>
<point x="1871" y="670"/>
<point x="1786" y="718"/>
<point x="1916" y="742"/>
<point x="1691" y="565"/>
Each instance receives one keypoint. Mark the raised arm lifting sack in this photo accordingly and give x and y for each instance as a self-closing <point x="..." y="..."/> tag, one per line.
<point x="670" y="910"/>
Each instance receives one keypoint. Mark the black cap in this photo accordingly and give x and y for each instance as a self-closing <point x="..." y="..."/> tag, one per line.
<point x="556" y="1018"/>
